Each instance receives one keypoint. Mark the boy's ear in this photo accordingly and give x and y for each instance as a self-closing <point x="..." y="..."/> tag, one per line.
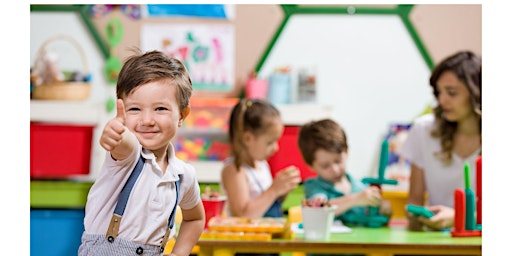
<point x="183" y="114"/>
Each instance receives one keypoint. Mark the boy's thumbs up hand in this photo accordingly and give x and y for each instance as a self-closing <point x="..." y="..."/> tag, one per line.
<point x="113" y="131"/>
<point x="121" y="115"/>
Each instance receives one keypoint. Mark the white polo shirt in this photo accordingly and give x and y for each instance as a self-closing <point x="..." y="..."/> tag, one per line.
<point x="145" y="219"/>
<point x="440" y="180"/>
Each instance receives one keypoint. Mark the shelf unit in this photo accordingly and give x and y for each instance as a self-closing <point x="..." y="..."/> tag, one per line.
<point x="292" y="114"/>
<point x="65" y="112"/>
<point x="206" y="171"/>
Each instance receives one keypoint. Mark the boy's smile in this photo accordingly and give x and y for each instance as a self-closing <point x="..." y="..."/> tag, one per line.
<point x="153" y="115"/>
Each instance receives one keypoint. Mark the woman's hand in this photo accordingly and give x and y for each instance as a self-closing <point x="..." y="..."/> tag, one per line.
<point x="442" y="219"/>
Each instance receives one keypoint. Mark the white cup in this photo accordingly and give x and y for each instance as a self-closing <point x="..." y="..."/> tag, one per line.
<point x="317" y="222"/>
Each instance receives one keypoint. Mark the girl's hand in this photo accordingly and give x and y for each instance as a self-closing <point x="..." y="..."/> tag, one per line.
<point x="442" y="219"/>
<point x="286" y="180"/>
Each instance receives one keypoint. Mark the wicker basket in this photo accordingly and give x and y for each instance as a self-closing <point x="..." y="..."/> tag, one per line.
<point x="62" y="90"/>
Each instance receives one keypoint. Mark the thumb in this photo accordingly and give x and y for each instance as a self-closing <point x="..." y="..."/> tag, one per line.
<point x="120" y="111"/>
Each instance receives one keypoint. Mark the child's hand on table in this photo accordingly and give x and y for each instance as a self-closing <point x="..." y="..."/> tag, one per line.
<point x="369" y="197"/>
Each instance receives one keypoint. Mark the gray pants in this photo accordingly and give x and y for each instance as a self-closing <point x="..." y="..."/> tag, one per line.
<point x="97" y="245"/>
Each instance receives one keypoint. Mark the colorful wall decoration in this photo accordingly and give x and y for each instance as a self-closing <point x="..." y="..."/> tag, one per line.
<point x="191" y="10"/>
<point x="206" y="50"/>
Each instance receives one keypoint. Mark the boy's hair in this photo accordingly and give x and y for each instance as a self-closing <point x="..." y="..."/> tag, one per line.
<point x="142" y="68"/>
<point x="467" y="66"/>
<point x="323" y="134"/>
<point x="248" y="115"/>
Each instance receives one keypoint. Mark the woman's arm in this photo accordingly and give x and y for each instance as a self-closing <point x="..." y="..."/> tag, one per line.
<point x="416" y="194"/>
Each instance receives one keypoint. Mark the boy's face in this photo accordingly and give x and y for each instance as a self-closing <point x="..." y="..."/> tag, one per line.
<point x="330" y="166"/>
<point x="153" y="114"/>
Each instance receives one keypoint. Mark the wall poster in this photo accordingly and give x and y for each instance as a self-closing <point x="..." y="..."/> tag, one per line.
<point x="206" y="50"/>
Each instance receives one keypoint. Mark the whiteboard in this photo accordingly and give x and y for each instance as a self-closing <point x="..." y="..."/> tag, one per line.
<point x="367" y="67"/>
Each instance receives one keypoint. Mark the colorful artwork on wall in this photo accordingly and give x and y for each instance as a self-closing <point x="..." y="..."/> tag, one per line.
<point x="206" y="50"/>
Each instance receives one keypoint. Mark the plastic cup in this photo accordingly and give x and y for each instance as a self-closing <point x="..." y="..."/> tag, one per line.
<point x="317" y="222"/>
<point x="213" y="208"/>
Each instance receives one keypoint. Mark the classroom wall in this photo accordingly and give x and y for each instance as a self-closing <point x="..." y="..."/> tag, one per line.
<point x="442" y="28"/>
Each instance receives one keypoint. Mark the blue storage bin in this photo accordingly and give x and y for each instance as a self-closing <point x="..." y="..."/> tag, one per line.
<point x="56" y="232"/>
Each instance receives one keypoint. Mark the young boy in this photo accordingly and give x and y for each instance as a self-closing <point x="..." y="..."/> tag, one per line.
<point x="153" y="92"/>
<point x="324" y="148"/>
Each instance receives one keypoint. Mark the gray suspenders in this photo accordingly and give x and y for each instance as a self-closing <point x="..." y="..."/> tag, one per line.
<point x="113" y="228"/>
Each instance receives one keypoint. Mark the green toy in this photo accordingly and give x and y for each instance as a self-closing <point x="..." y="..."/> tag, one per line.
<point x="373" y="218"/>
<point x="418" y="210"/>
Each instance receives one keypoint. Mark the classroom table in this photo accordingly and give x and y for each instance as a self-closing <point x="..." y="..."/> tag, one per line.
<point x="362" y="240"/>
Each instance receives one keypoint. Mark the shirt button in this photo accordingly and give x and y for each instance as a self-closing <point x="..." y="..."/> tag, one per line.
<point x="139" y="251"/>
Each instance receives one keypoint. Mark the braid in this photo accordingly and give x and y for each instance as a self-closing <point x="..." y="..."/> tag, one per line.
<point x="238" y="148"/>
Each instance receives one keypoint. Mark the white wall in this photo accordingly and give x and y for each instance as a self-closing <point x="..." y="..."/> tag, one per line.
<point x="368" y="69"/>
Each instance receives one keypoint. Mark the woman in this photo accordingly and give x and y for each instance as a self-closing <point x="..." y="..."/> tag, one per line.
<point x="440" y="143"/>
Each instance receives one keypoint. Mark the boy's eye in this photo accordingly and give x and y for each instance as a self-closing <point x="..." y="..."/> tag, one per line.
<point x="161" y="108"/>
<point x="133" y="109"/>
<point x="325" y="166"/>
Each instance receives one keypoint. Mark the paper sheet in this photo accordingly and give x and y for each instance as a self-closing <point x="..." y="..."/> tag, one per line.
<point x="337" y="227"/>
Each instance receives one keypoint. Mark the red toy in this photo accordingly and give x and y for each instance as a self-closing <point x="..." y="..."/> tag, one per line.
<point x="465" y="204"/>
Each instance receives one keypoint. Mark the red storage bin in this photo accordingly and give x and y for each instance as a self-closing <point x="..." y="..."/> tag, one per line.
<point x="59" y="150"/>
<point x="289" y="154"/>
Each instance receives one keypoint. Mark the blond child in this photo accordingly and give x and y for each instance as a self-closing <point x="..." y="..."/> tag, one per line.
<point x="153" y="92"/>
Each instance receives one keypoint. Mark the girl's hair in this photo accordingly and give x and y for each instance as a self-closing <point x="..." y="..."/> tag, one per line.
<point x="323" y="134"/>
<point x="143" y="68"/>
<point x="252" y="115"/>
<point x="468" y="68"/>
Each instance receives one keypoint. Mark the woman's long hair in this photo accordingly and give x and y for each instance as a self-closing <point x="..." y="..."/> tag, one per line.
<point x="468" y="68"/>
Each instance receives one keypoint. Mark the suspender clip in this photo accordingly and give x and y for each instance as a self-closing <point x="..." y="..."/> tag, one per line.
<point x="113" y="228"/>
<point x="165" y="239"/>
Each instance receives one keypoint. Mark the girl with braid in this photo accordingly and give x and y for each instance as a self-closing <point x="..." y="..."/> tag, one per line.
<point x="255" y="127"/>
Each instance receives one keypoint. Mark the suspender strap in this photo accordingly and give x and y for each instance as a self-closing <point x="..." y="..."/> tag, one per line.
<point x="127" y="189"/>
<point x="171" y="218"/>
<point x="113" y="228"/>
<point x="165" y="238"/>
